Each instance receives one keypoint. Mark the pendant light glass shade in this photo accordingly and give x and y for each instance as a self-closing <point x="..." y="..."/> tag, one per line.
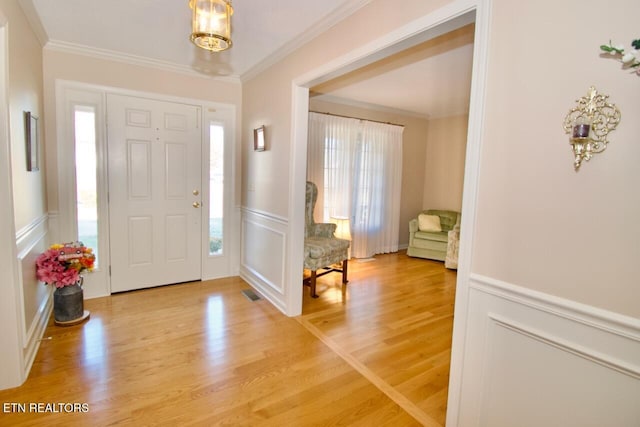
<point x="211" y="24"/>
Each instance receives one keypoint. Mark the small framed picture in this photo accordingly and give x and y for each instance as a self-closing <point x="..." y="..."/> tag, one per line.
<point x="258" y="139"/>
<point x="32" y="141"/>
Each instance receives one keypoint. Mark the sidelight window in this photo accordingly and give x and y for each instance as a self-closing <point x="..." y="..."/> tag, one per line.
<point x="216" y="188"/>
<point x="86" y="172"/>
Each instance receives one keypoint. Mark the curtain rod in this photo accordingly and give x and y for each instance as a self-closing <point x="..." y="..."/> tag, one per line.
<point x="357" y="118"/>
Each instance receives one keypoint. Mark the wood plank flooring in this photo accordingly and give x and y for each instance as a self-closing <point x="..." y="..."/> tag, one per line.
<point x="394" y="322"/>
<point x="201" y="353"/>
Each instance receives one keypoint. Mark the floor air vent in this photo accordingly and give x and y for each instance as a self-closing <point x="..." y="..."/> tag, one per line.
<point x="251" y="295"/>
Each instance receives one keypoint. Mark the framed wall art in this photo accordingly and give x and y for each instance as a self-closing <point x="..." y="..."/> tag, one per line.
<point x="258" y="139"/>
<point x="31" y="141"/>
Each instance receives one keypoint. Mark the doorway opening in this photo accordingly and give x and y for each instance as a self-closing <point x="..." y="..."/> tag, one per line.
<point x="425" y="89"/>
<point x="440" y="22"/>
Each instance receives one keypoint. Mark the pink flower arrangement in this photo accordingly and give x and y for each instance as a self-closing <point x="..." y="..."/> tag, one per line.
<point x="61" y="265"/>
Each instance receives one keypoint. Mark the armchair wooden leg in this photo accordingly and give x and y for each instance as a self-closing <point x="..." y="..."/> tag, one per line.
<point x="312" y="284"/>
<point x="344" y="272"/>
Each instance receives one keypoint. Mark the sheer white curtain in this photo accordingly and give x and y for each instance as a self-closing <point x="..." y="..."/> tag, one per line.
<point x="357" y="166"/>
<point x="376" y="190"/>
<point x="330" y="151"/>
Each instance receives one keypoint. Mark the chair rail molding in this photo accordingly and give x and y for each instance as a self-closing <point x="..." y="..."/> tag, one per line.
<point x="605" y="320"/>
<point x="578" y="362"/>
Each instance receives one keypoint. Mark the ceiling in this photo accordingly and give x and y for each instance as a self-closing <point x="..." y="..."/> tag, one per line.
<point x="431" y="79"/>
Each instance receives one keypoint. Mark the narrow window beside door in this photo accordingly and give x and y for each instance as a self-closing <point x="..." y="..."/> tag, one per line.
<point x="86" y="168"/>
<point x="216" y="188"/>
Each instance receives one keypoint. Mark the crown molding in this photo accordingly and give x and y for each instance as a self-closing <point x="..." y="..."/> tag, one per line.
<point x="377" y="107"/>
<point x="369" y="106"/>
<point x="110" y="55"/>
<point x="318" y="28"/>
<point x="33" y="18"/>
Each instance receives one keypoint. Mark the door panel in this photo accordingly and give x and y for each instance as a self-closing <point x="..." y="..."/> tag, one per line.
<point x="154" y="157"/>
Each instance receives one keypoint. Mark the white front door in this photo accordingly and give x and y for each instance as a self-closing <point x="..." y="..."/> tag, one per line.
<point x="154" y="159"/>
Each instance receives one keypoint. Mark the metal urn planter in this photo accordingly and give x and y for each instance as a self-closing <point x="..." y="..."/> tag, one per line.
<point x="68" y="305"/>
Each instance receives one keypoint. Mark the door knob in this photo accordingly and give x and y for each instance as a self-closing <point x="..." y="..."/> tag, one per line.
<point x="196" y="204"/>
<point x="196" y="192"/>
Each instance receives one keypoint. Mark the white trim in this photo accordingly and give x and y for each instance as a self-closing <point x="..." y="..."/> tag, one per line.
<point x="68" y="96"/>
<point x="469" y="205"/>
<point x="29" y="246"/>
<point x="297" y="197"/>
<point x="347" y="8"/>
<point x="90" y="87"/>
<point x="34" y="21"/>
<point x="29" y="228"/>
<point x="36" y="332"/>
<point x="26" y="247"/>
<point x="511" y="327"/>
<point x="369" y="106"/>
<point x="54" y="220"/>
<point x="568" y="346"/>
<point x="256" y="281"/>
<point x="125" y="58"/>
<point x="12" y="372"/>
<point x="270" y="59"/>
<point x="266" y="215"/>
<point x="607" y="321"/>
<point x="220" y="265"/>
<point x="71" y="92"/>
<point x="448" y="18"/>
<point x="246" y="267"/>
<point x="272" y="288"/>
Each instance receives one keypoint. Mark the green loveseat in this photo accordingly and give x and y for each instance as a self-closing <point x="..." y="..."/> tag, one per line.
<point x="434" y="244"/>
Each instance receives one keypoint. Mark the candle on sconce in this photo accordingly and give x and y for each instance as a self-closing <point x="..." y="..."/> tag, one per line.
<point x="581" y="127"/>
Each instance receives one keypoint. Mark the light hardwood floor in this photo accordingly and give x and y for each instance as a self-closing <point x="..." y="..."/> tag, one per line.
<point x="394" y="324"/>
<point x="201" y="353"/>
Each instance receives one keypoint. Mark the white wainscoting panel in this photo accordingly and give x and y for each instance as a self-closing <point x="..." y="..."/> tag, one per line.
<point x="35" y="301"/>
<point x="532" y="359"/>
<point x="263" y="254"/>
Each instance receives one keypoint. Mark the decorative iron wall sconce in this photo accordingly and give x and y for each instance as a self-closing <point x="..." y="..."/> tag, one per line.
<point x="589" y="124"/>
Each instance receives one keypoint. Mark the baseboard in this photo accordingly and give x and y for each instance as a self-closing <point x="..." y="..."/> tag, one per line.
<point x="32" y="346"/>
<point x="263" y="289"/>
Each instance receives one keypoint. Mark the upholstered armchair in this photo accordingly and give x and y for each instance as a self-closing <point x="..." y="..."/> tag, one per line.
<point x="435" y="234"/>
<point x="321" y="248"/>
